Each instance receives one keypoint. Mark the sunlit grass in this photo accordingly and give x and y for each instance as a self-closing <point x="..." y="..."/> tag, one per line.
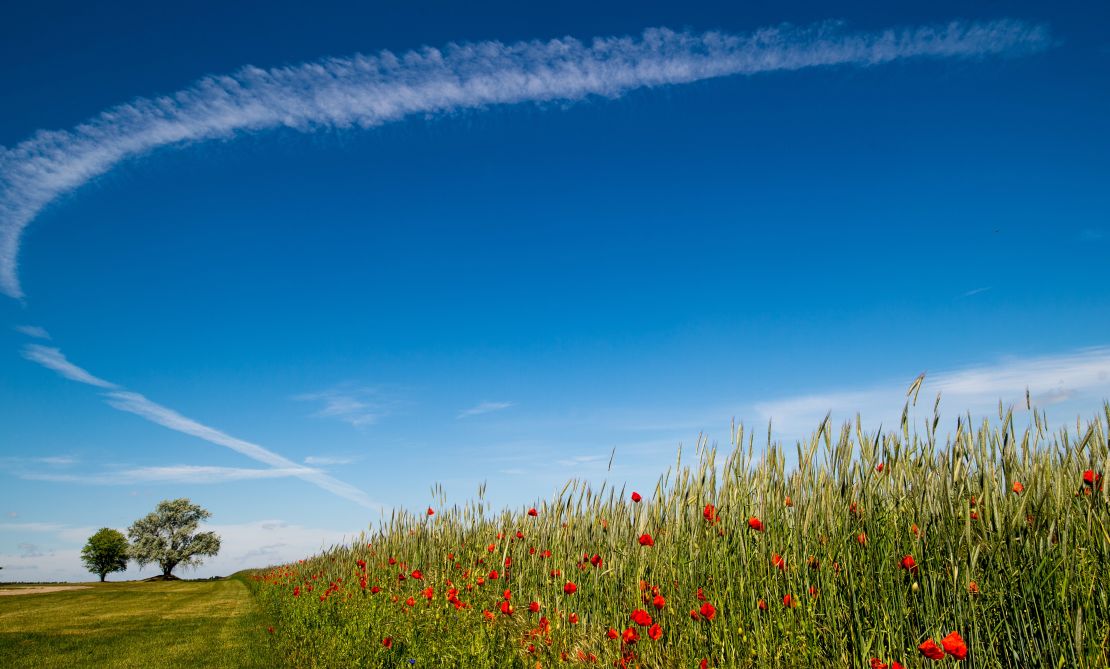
<point x="1022" y="577"/>
<point x="161" y="624"/>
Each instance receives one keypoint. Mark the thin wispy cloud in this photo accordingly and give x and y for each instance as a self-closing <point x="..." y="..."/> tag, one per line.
<point x="34" y="331"/>
<point x="53" y="359"/>
<point x="976" y="291"/>
<point x="139" y="405"/>
<point x="356" y="406"/>
<point x="185" y="474"/>
<point x="483" y="408"/>
<point x="364" y="91"/>
<point x="325" y="460"/>
<point x="1049" y="380"/>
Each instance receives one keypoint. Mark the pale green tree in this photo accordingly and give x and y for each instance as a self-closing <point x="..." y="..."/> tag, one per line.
<point x="168" y="536"/>
<point x="105" y="552"/>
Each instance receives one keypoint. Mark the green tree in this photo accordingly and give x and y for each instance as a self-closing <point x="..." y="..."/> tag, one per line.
<point x="169" y="537"/>
<point x="105" y="552"/>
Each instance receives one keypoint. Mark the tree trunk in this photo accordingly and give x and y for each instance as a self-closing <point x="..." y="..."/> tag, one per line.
<point x="102" y="577"/>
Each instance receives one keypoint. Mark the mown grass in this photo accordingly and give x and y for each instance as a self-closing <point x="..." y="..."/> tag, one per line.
<point x="135" y="624"/>
<point x="1023" y="577"/>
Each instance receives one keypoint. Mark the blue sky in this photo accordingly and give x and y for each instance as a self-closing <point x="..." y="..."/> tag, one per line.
<point x="301" y="318"/>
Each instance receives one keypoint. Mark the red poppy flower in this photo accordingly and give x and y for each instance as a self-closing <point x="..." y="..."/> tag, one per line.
<point x="788" y="501"/>
<point x="641" y="617"/>
<point x="710" y="513"/>
<point x="658" y="602"/>
<point x="493" y="575"/>
<point x="694" y="615"/>
<point x="388" y="642"/>
<point x="545" y="554"/>
<point x="417" y="574"/>
<point x="762" y="604"/>
<point x="630" y="636"/>
<point x="909" y="564"/>
<point x="429" y="593"/>
<point x="573" y="618"/>
<point x="1017" y="487"/>
<point x="931" y="650"/>
<point x="701" y="595"/>
<point x="488" y="615"/>
<point x="896" y="665"/>
<point x="596" y="560"/>
<point x="392" y="561"/>
<point x="876" y="663"/>
<point x="636" y="497"/>
<point x="914" y="530"/>
<point x="778" y="561"/>
<point x="853" y="509"/>
<point x="296" y="591"/>
<point x="704" y="664"/>
<point x="375" y="590"/>
<point x="612" y="633"/>
<point x="708" y="611"/>
<point x="973" y="588"/>
<point x="411" y="601"/>
<point x="655" y="632"/>
<point x="570" y="588"/>
<point x="813" y="591"/>
<point x="788" y="601"/>
<point x="507" y="608"/>
<point x="532" y="512"/>
<point x="975" y="515"/>
<point x="646" y="540"/>
<point x="534" y="607"/>
<point x="954" y="645"/>
<point x="861" y="538"/>
<point x="491" y="548"/>
<point x="755" y="524"/>
<point x="1091" y="478"/>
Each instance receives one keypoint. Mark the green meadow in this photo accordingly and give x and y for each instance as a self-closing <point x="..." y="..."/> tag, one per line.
<point x="135" y="624"/>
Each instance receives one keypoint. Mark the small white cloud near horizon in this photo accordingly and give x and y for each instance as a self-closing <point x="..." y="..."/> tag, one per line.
<point x="484" y="408"/>
<point x="1050" y="379"/>
<point x="33" y="331"/>
<point x="976" y="291"/>
<point x="327" y="460"/>
<point x="358" y="406"/>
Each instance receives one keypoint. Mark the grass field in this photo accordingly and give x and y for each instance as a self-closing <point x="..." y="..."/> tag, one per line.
<point x="135" y="624"/>
<point x="989" y="548"/>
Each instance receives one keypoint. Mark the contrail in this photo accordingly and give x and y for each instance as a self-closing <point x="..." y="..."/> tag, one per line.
<point x="366" y="91"/>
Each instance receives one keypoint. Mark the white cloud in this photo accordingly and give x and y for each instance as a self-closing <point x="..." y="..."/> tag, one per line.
<point x="33" y="331"/>
<point x="976" y="291"/>
<point x="52" y="358"/>
<point x="367" y="91"/>
<point x="168" y="418"/>
<point x="356" y="406"/>
<point x="1050" y="379"/>
<point x="171" y="474"/>
<point x="139" y="405"/>
<point x="484" y="407"/>
<point x="324" y="460"/>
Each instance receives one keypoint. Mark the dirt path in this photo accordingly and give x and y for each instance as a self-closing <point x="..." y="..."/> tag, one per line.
<point x="37" y="589"/>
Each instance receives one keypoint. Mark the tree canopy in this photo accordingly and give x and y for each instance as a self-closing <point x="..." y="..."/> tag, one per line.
<point x="105" y="552"/>
<point x="168" y="536"/>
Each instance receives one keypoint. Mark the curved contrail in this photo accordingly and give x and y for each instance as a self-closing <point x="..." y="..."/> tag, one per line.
<point x="366" y="91"/>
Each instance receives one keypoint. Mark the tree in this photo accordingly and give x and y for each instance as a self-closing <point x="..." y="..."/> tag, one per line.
<point x="169" y="536"/>
<point x="105" y="552"/>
